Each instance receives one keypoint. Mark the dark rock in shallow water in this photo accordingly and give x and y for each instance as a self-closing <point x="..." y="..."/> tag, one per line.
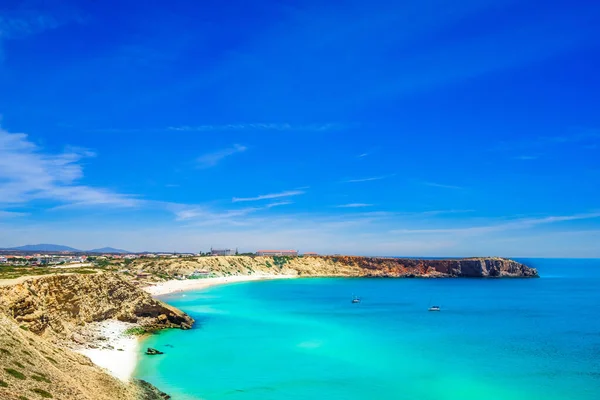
<point x="153" y="352"/>
<point x="150" y="392"/>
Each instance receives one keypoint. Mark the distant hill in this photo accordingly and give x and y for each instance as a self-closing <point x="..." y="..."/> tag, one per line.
<point x="44" y="247"/>
<point x="111" y="250"/>
<point x="59" y="248"/>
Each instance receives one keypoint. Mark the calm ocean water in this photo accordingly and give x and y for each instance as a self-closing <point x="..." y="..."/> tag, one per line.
<point x="303" y="339"/>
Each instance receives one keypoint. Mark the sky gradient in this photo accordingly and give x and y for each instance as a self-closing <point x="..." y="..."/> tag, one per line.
<point x="416" y="128"/>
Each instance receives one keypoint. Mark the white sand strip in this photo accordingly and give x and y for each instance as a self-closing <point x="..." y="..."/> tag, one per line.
<point x="174" y="286"/>
<point x="119" y="363"/>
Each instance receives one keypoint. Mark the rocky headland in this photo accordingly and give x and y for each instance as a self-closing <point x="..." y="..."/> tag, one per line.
<point x="341" y="266"/>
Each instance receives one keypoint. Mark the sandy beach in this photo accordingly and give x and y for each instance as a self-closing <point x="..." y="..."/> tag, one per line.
<point x="109" y="347"/>
<point x="174" y="286"/>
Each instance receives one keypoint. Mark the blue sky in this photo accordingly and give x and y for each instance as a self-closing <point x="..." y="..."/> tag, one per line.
<point x="384" y="128"/>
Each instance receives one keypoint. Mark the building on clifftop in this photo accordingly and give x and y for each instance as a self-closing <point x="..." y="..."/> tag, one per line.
<point x="222" y="252"/>
<point x="290" y="253"/>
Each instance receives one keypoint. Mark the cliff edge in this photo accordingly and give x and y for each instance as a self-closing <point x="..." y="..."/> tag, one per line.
<point x="350" y="266"/>
<point x="59" y="304"/>
<point x="38" y="317"/>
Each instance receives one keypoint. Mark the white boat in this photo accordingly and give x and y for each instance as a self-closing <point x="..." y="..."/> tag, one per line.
<point x="434" y="308"/>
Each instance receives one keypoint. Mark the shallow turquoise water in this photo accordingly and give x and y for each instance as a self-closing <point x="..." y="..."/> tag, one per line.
<point x="303" y="339"/>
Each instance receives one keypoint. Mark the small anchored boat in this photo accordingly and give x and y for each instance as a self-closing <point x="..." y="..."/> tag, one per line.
<point x="434" y="308"/>
<point x="355" y="300"/>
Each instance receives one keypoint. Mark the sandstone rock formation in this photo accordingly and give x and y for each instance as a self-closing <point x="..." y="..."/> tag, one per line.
<point x="338" y="266"/>
<point x="58" y="304"/>
<point x="32" y="368"/>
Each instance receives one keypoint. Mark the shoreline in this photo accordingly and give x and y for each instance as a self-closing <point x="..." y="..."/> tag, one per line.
<point x="177" y="286"/>
<point x="107" y="345"/>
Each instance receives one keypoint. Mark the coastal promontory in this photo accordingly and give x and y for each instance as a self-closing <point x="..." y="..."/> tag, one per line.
<point x="338" y="265"/>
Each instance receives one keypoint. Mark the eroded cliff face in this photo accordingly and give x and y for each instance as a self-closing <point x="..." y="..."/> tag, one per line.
<point x="339" y="266"/>
<point x="58" y="304"/>
<point x="32" y="367"/>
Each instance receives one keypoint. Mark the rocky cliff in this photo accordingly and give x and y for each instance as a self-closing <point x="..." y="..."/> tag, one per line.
<point x="338" y="266"/>
<point x="31" y="367"/>
<point x="58" y="304"/>
<point x="38" y="313"/>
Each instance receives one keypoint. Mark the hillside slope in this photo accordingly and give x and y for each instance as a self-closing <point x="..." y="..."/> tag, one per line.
<point x="40" y="316"/>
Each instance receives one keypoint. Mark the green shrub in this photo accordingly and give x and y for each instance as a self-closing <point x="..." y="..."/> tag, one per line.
<point x="23" y="398"/>
<point x="140" y="330"/>
<point x="40" y="378"/>
<point x="4" y="351"/>
<point x="3" y="384"/>
<point x="18" y="364"/>
<point x="42" y="393"/>
<point x="14" y="373"/>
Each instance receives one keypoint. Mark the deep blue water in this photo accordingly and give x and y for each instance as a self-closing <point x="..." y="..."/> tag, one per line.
<point x="495" y="339"/>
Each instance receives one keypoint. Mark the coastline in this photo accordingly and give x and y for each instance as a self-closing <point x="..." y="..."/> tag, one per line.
<point x="107" y="345"/>
<point x="176" y="286"/>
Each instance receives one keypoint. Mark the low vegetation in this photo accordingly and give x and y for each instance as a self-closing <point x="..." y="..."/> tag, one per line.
<point x="15" y="374"/>
<point x="42" y="393"/>
<point x="40" y="378"/>
<point x="12" y="272"/>
<point x="140" y="331"/>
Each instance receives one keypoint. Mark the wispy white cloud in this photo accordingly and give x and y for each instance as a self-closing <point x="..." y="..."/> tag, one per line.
<point x="279" y="203"/>
<point x="27" y="21"/>
<point x="211" y="159"/>
<point x="514" y="224"/>
<point x="442" y="212"/>
<point x="258" y="127"/>
<point x="11" y="214"/>
<point x="362" y="155"/>
<point x="580" y="137"/>
<point x="354" y="205"/>
<point x="526" y="157"/>
<point x="288" y="193"/>
<point x="369" y="179"/>
<point x="441" y="185"/>
<point x="25" y="24"/>
<point x="208" y="215"/>
<point x="28" y="173"/>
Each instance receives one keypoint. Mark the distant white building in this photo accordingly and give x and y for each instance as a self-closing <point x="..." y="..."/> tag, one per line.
<point x="3" y="259"/>
<point x="222" y="252"/>
<point x="290" y="253"/>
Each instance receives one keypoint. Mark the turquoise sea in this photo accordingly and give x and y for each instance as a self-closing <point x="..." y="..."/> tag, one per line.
<point x="495" y="339"/>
